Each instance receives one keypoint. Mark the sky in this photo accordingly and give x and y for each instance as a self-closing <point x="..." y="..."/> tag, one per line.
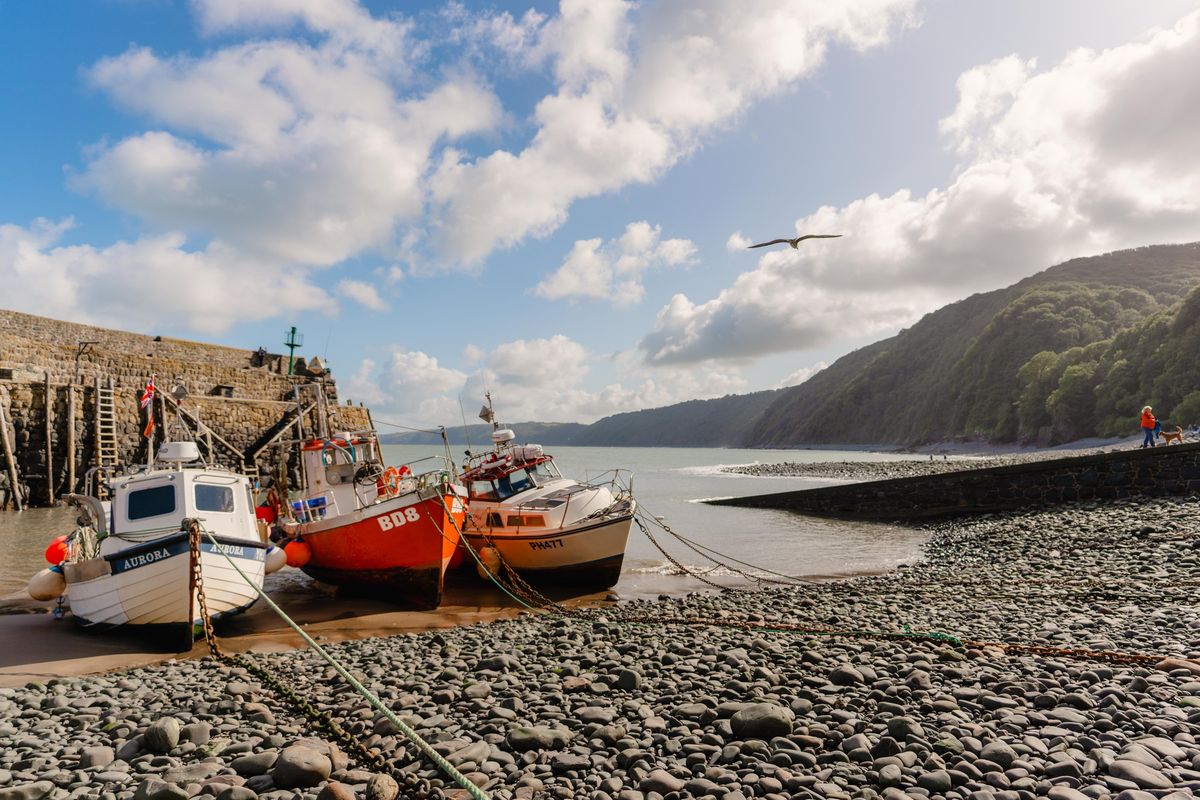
<point x="554" y="202"/>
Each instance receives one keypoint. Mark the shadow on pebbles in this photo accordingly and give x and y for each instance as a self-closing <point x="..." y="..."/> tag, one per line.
<point x="597" y="707"/>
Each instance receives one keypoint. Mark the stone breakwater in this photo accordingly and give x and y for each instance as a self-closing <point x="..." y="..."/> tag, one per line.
<point x="547" y="707"/>
<point x="883" y="470"/>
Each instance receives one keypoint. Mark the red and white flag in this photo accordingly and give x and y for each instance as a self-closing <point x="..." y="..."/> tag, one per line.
<point x="148" y="392"/>
<point x="148" y="403"/>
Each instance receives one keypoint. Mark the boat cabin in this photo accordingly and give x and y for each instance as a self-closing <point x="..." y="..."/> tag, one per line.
<point x="340" y="473"/>
<point x="156" y="500"/>
<point x="499" y="479"/>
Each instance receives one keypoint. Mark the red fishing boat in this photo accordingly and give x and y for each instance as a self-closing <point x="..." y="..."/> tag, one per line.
<point x="371" y="529"/>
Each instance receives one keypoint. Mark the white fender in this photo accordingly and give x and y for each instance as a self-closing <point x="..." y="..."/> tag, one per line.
<point x="276" y="559"/>
<point x="47" y="585"/>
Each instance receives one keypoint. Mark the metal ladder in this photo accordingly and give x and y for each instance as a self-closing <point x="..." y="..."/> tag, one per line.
<point x="106" y="456"/>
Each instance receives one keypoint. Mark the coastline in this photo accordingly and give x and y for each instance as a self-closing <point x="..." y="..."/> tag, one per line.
<point x="546" y="706"/>
<point x="939" y="461"/>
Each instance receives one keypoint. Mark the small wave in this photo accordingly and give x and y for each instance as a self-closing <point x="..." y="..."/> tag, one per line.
<point x="710" y="499"/>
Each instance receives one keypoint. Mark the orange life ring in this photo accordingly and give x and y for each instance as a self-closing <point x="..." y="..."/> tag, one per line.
<point x="405" y="472"/>
<point x="389" y="482"/>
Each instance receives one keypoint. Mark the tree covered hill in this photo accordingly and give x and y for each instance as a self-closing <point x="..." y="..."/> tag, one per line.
<point x="958" y="371"/>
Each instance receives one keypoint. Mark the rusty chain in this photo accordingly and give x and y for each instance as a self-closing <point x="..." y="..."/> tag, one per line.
<point x="320" y="719"/>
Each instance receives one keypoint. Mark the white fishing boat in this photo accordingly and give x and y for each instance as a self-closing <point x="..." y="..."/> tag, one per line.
<point x="550" y="529"/>
<point x="129" y="563"/>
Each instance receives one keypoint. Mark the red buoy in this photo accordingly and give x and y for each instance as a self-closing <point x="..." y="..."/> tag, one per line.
<point x="57" y="552"/>
<point x="298" y="553"/>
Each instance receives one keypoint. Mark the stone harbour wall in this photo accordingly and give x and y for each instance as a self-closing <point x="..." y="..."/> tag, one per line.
<point x="260" y="399"/>
<point x="1154" y="472"/>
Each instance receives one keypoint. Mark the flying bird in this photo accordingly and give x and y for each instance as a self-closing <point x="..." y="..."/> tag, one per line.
<point x="795" y="243"/>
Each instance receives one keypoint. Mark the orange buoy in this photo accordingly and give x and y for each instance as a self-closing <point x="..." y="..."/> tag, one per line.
<point x="298" y="553"/>
<point x="58" y="551"/>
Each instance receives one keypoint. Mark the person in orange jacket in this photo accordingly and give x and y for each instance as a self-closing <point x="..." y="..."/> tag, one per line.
<point x="1148" y="425"/>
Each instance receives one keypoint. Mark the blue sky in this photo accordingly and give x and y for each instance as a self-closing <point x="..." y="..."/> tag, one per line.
<point x="553" y="201"/>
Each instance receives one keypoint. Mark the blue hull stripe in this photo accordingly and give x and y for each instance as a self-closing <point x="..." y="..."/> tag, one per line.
<point x="162" y="549"/>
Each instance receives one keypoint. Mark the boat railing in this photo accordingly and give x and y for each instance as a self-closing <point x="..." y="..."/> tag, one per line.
<point x="619" y="480"/>
<point x="314" y="507"/>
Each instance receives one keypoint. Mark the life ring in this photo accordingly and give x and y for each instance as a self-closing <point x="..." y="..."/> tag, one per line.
<point x="405" y="472"/>
<point x="498" y="462"/>
<point x="388" y="484"/>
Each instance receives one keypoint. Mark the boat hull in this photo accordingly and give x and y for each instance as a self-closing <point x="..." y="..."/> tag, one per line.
<point x="148" y="586"/>
<point x="588" y="554"/>
<point x="397" y="550"/>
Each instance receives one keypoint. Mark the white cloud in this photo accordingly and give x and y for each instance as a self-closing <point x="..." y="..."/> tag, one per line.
<point x="737" y="241"/>
<point x="613" y="271"/>
<point x="145" y="283"/>
<point x="304" y="152"/>
<point x="801" y="375"/>
<point x="362" y="293"/>
<point x="311" y="131"/>
<point x="411" y="386"/>
<point x="1082" y="157"/>
<point x="530" y="379"/>
<point x="633" y="99"/>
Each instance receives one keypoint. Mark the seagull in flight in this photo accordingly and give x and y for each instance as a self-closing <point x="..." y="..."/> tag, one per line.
<point x="795" y="243"/>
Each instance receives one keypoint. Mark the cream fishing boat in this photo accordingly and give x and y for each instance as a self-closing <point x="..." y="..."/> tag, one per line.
<point x="130" y="561"/>
<point x="550" y="529"/>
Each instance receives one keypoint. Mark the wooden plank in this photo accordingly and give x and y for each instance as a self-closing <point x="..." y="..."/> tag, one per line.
<point x="49" y="442"/>
<point x="71" y="438"/>
<point x="11" y="462"/>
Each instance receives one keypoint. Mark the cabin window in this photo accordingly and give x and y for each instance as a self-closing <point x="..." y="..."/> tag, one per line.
<point x="151" y="502"/>
<point x="483" y="490"/>
<point x="527" y="520"/>
<point x="545" y="471"/>
<point x="213" y="498"/>
<point x="494" y="521"/>
<point x="518" y="481"/>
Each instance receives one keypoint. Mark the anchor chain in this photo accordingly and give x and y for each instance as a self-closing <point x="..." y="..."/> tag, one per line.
<point x="320" y="719"/>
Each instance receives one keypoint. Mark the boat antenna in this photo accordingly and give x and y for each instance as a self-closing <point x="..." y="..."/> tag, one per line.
<point x="465" y="429"/>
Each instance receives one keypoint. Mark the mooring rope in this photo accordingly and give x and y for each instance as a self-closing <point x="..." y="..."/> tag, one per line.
<point x="367" y="694"/>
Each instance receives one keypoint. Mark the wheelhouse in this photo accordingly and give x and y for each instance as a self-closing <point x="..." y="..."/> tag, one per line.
<point x="501" y="480"/>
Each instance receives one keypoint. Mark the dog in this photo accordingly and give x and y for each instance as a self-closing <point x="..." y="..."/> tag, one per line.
<point x="1176" y="437"/>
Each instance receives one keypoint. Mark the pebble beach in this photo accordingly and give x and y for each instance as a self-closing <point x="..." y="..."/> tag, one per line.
<point x="595" y="707"/>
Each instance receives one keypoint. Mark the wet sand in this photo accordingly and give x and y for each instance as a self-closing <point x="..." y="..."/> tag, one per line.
<point x="36" y="647"/>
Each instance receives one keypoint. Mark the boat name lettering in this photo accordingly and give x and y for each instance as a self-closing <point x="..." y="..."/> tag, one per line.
<point x="548" y="544"/>
<point x="141" y="559"/>
<point x="229" y="549"/>
<point x="397" y="519"/>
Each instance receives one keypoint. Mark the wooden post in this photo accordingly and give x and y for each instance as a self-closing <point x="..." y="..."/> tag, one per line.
<point x="10" y="460"/>
<point x="49" y="443"/>
<point x="71" y="438"/>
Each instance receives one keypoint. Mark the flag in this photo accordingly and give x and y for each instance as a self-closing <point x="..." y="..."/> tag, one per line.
<point x="148" y="403"/>
<point x="148" y="392"/>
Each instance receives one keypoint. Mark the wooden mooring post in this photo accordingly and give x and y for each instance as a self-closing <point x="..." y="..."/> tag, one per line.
<point x="49" y="442"/>
<point x="10" y="462"/>
<point x="71" y="438"/>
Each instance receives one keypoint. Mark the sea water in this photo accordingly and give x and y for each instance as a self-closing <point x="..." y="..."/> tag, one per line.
<point x="670" y="484"/>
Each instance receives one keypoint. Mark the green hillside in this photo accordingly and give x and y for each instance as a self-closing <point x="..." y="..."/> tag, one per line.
<point x="956" y="372"/>
<point x="722" y="422"/>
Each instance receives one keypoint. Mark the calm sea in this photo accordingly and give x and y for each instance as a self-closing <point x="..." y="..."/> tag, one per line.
<point x="668" y="483"/>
